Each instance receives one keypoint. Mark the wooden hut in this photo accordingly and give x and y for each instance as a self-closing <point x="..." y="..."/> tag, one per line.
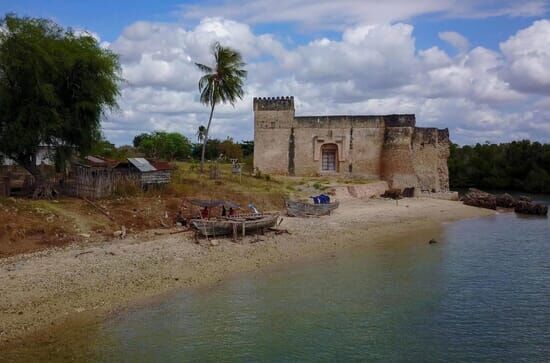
<point x="150" y="172"/>
<point x="95" y="177"/>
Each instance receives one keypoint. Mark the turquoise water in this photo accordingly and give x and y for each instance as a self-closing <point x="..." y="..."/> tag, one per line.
<point x="481" y="294"/>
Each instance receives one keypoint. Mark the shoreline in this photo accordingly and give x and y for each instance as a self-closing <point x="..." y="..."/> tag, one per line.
<point x="47" y="290"/>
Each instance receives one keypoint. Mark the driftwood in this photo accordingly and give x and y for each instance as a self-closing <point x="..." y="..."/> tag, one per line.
<point x="279" y="231"/>
<point x="103" y="211"/>
<point x="83" y="253"/>
<point x="181" y="231"/>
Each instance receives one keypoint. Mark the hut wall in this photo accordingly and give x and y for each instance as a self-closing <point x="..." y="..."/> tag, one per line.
<point x="155" y="177"/>
<point x="97" y="183"/>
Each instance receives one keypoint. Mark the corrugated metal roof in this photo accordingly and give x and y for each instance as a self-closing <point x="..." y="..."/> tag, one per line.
<point x="142" y="164"/>
<point x="161" y="165"/>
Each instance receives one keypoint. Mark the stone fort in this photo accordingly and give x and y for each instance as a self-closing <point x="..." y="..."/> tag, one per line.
<point x="388" y="147"/>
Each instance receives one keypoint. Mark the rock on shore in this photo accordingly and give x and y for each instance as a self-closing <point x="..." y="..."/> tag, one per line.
<point x="479" y="198"/>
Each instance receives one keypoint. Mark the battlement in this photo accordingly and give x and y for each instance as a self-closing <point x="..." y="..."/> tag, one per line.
<point x="273" y="103"/>
<point x="387" y="147"/>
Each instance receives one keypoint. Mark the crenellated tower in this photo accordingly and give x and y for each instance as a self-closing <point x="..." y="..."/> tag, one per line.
<point x="273" y="133"/>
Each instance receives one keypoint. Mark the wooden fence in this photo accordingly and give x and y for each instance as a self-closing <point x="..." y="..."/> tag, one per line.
<point x="98" y="183"/>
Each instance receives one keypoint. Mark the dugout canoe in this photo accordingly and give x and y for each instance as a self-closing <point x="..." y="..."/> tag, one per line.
<point x="225" y="226"/>
<point x="303" y="209"/>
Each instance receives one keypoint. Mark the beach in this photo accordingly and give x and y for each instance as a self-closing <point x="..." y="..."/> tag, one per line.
<point x="47" y="289"/>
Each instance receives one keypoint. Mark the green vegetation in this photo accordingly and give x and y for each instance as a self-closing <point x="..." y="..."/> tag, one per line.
<point x="220" y="84"/>
<point x="55" y="86"/>
<point x="108" y="150"/>
<point x="215" y="149"/>
<point x="519" y="165"/>
<point x="163" y="145"/>
<point x="176" y="147"/>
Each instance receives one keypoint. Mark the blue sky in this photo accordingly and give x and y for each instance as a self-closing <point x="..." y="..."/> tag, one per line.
<point x="479" y="67"/>
<point x="109" y="18"/>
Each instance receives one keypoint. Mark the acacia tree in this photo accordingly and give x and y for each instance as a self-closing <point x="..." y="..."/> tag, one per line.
<point x="221" y="83"/>
<point x="55" y="86"/>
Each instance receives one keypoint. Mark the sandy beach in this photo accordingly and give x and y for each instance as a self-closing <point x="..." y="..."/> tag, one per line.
<point x="45" y="289"/>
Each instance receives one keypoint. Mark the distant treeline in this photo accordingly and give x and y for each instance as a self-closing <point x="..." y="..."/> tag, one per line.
<point x="519" y="165"/>
<point x="174" y="146"/>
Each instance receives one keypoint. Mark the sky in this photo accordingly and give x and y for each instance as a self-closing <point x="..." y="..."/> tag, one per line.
<point x="478" y="67"/>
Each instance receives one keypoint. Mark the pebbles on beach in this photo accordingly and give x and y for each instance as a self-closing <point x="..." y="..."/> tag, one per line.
<point x="48" y="286"/>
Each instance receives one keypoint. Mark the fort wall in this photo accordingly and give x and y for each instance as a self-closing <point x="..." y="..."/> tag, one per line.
<point x="388" y="147"/>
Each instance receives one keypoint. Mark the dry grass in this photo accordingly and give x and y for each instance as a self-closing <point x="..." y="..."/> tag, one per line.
<point x="29" y="225"/>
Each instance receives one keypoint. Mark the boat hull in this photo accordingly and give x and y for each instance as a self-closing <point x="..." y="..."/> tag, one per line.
<point x="303" y="209"/>
<point x="224" y="227"/>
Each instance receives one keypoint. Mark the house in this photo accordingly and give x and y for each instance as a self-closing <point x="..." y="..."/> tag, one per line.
<point x="44" y="156"/>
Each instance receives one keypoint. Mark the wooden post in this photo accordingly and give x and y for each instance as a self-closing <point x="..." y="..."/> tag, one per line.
<point x="234" y="231"/>
<point x="244" y="229"/>
<point x="7" y="186"/>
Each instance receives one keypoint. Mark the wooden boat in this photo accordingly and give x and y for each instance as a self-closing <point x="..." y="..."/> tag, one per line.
<point x="232" y="225"/>
<point x="305" y="209"/>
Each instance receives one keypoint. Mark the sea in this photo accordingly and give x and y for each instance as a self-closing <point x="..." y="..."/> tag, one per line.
<point x="480" y="294"/>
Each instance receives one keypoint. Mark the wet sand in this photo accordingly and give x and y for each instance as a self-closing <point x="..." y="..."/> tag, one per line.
<point x="45" y="290"/>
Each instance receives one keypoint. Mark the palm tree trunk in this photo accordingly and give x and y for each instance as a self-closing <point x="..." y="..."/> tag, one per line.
<point x="206" y="137"/>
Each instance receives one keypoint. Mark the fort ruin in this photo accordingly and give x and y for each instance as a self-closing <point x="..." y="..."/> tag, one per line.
<point x="388" y="147"/>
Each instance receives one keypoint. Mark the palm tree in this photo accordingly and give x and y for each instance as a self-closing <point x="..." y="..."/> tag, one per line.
<point x="223" y="83"/>
<point x="200" y="133"/>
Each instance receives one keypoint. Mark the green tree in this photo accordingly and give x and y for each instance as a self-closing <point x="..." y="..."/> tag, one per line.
<point x="221" y="83"/>
<point x="518" y="165"/>
<point x="230" y="149"/>
<point x="247" y="147"/>
<point x="139" y="138"/>
<point x="164" y="145"/>
<point x="55" y="86"/>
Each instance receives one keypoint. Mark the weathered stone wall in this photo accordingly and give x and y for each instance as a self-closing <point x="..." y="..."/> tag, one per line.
<point x="386" y="147"/>
<point x="430" y="153"/>
<point x="396" y="162"/>
<point x="273" y="119"/>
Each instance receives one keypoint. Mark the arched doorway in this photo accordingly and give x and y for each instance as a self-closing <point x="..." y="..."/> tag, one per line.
<point x="329" y="158"/>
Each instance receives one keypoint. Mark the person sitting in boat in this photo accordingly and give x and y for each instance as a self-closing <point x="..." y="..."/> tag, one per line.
<point x="205" y="213"/>
<point x="231" y="212"/>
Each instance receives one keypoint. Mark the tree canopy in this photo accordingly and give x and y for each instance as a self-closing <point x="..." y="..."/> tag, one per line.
<point x="55" y="86"/>
<point x="164" y="145"/>
<point x="519" y="165"/>
<point x="228" y="149"/>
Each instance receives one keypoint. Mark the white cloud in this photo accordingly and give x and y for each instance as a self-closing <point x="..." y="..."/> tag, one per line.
<point x="455" y="39"/>
<point x="372" y="69"/>
<point x="528" y="58"/>
<point x="342" y="13"/>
